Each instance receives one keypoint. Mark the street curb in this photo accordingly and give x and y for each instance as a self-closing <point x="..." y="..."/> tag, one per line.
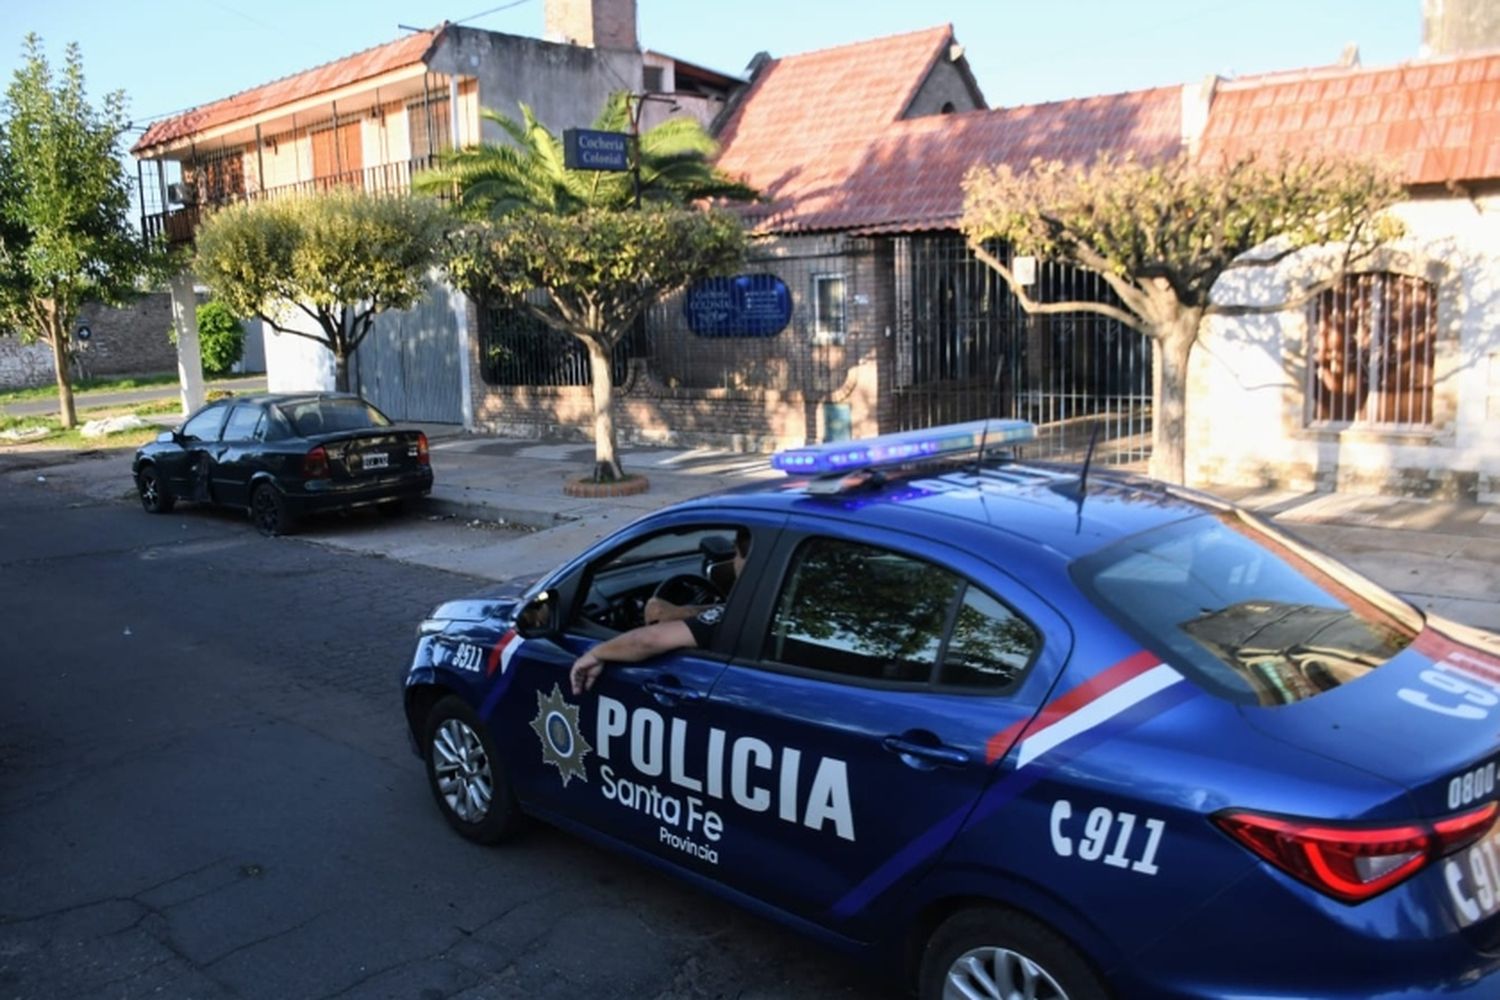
<point x="477" y="511"/>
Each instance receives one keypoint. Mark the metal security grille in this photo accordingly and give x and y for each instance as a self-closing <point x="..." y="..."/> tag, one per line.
<point x="515" y="349"/>
<point x="966" y="350"/>
<point x="811" y="355"/>
<point x="1372" y="337"/>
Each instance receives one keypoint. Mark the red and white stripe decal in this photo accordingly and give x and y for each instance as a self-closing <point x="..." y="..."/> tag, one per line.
<point x="1090" y="704"/>
<point x="1456" y="656"/>
<point x="502" y="652"/>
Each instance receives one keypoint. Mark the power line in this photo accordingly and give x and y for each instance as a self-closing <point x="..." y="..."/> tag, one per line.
<point x="492" y="10"/>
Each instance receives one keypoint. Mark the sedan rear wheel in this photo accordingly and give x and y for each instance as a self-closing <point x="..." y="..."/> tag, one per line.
<point x="998" y="954"/>
<point x="154" y="496"/>
<point x="268" y="511"/>
<point x="467" y="779"/>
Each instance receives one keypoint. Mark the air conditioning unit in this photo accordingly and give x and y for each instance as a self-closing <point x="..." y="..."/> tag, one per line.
<point x="182" y="193"/>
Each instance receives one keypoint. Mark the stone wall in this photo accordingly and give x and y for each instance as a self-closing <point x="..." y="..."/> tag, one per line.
<point x="128" y="341"/>
<point x="23" y="366"/>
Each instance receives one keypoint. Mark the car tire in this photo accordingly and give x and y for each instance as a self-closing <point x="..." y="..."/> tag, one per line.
<point x="467" y="778"/>
<point x="994" y="952"/>
<point x="268" y="511"/>
<point x="155" y="497"/>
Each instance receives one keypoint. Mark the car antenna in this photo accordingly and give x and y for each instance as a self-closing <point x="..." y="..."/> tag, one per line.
<point x="1088" y="459"/>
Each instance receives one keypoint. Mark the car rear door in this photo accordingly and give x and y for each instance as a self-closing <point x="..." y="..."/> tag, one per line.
<point x="235" y="455"/>
<point x="865" y="717"/>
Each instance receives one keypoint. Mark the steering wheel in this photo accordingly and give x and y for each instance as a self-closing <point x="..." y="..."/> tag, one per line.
<point x="687" y="588"/>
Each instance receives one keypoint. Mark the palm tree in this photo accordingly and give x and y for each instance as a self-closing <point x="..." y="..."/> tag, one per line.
<point x="523" y="186"/>
<point x="528" y="172"/>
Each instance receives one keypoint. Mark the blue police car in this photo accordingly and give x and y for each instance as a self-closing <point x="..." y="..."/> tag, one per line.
<point x="1023" y="731"/>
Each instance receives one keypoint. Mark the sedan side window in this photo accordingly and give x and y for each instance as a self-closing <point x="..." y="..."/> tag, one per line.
<point x="866" y="612"/>
<point x="991" y="645"/>
<point x="205" y="426"/>
<point x="861" y="611"/>
<point x="243" y="423"/>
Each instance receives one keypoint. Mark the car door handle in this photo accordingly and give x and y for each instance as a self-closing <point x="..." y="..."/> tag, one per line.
<point x="671" y="693"/>
<point x="950" y="756"/>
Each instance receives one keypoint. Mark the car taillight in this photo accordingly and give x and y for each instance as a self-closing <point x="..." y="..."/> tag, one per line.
<point x="1353" y="862"/>
<point x="423" y="458"/>
<point x="315" y="463"/>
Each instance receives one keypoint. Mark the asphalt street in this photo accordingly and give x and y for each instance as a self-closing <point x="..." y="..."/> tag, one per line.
<point x="206" y="791"/>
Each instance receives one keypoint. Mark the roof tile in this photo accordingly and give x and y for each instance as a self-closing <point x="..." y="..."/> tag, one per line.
<point x="1432" y="117"/>
<point x="406" y="51"/>
<point x="908" y="174"/>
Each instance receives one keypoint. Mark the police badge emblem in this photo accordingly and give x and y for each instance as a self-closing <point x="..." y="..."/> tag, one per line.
<point x="556" y="726"/>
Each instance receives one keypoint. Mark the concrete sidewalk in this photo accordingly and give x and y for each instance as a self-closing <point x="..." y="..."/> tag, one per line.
<point x="508" y="496"/>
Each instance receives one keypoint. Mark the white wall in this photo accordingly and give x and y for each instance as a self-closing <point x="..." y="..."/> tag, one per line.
<point x="1246" y="416"/>
<point x="296" y="364"/>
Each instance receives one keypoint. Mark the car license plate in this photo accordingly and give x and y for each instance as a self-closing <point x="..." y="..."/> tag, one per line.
<point x="1473" y="879"/>
<point x="377" y="460"/>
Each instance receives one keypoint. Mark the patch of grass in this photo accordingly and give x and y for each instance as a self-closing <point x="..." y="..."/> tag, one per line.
<point x="86" y="386"/>
<point x="73" y="440"/>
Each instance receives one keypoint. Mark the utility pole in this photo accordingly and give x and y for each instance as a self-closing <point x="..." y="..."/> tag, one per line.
<point x="633" y="105"/>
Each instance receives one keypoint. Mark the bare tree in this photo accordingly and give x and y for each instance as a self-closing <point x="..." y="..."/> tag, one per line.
<point x="1161" y="234"/>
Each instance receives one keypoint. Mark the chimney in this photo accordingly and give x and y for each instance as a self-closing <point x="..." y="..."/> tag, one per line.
<point x="596" y="24"/>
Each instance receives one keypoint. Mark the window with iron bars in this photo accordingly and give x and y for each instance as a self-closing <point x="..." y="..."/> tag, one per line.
<point x="516" y="349"/>
<point x="1372" y="351"/>
<point x="430" y="127"/>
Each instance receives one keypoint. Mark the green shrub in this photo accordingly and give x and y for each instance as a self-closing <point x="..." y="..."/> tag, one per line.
<point x="221" y="339"/>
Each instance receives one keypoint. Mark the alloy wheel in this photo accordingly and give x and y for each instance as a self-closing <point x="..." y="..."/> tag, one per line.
<point x="266" y="511"/>
<point x="462" y="770"/>
<point x="999" y="974"/>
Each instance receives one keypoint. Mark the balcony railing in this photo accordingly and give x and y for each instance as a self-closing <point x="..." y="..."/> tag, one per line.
<point x="178" y="226"/>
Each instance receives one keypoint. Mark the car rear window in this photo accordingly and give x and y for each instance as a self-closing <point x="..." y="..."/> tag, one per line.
<point x="327" y="416"/>
<point x="1251" y="613"/>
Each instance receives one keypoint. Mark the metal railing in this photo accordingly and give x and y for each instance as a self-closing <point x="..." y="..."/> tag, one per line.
<point x="177" y="226"/>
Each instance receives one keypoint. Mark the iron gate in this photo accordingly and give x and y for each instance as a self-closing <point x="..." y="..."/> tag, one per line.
<point x="965" y="350"/>
<point x="408" y="364"/>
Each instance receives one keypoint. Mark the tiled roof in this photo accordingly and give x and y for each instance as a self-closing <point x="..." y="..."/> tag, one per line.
<point x="812" y="113"/>
<point x="1438" y="120"/>
<point x="402" y="52"/>
<point x="909" y="174"/>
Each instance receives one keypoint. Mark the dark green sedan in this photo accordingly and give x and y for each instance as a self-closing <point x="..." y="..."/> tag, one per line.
<point x="281" y="457"/>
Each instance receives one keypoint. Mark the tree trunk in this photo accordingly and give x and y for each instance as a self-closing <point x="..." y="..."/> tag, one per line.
<point x="340" y="371"/>
<point x="57" y="333"/>
<point x="606" y="465"/>
<point x="1173" y="347"/>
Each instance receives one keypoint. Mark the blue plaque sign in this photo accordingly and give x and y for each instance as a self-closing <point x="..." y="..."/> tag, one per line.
<point x="746" y="305"/>
<point x="591" y="149"/>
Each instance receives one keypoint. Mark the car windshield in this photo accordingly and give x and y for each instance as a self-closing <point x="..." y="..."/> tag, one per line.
<point x="1251" y="613"/>
<point x="312" y="417"/>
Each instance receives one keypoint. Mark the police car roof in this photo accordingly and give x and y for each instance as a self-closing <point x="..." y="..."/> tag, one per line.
<point x="1034" y="505"/>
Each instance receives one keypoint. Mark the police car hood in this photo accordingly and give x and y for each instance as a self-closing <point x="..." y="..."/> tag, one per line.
<point x="1426" y="716"/>
<point x="499" y="601"/>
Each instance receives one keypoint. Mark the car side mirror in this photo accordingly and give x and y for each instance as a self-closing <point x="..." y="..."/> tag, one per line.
<point x="166" y="437"/>
<point x="539" y="617"/>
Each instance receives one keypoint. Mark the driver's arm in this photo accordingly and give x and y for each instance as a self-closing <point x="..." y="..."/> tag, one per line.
<point x="658" y="610"/>
<point x="630" y="647"/>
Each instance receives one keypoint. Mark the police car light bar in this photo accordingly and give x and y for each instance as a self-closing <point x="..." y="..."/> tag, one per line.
<point x="906" y="446"/>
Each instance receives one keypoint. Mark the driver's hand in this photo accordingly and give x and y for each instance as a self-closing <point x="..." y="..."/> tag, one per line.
<point x="585" y="670"/>
<point x="657" y="610"/>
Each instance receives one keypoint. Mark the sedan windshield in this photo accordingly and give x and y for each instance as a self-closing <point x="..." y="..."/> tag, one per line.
<point x="1249" y="612"/>
<point x="311" y="417"/>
